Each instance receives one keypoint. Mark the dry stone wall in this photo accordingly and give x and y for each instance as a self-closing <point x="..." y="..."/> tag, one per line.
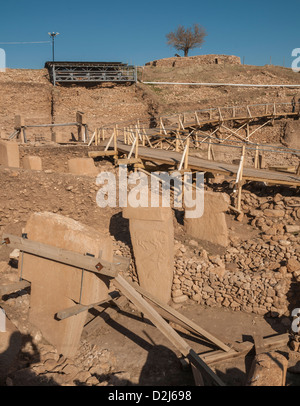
<point x="196" y="60"/>
<point x="259" y="275"/>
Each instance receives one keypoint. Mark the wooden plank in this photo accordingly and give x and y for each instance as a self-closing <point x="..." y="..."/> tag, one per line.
<point x="105" y="314"/>
<point x="78" y="308"/>
<point x="258" y="343"/>
<point x="13" y="287"/>
<point x="92" y="264"/>
<point x="166" y="329"/>
<point x="181" y="319"/>
<point x="269" y="343"/>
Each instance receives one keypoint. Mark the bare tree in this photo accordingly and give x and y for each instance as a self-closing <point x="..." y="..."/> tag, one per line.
<point x="185" y="39"/>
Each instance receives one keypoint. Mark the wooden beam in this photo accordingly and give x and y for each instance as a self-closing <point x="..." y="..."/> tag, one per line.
<point x="86" y="262"/>
<point x="258" y="343"/>
<point x="78" y="308"/>
<point x="269" y="343"/>
<point x="167" y="311"/>
<point x="167" y="330"/>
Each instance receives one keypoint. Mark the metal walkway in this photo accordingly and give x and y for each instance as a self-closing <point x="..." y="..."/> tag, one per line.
<point x="90" y="72"/>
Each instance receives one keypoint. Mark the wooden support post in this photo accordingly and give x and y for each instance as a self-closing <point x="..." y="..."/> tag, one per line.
<point x="80" y="125"/>
<point x="96" y="136"/>
<point x="256" y="158"/>
<point x="24" y="139"/>
<point x="177" y="142"/>
<point x="240" y="177"/>
<point x="186" y="158"/>
<point x="196" y="141"/>
<point x="137" y="144"/>
<point x="125" y="135"/>
<point x="115" y="139"/>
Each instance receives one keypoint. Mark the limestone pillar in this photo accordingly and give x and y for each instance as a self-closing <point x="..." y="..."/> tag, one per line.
<point x="56" y="286"/>
<point x="82" y="166"/>
<point x="211" y="226"/>
<point x="9" y="154"/>
<point x="152" y="236"/>
<point x="32" y="162"/>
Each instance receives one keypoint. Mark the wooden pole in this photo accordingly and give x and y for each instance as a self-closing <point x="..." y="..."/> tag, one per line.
<point x="177" y="142"/>
<point x="209" y="150"/>
<point x="186" y="158"/>
<point x="115" y="138"/>
<point x="256" y="157"/>
<point x="137" y="144"/>
<point x="239" y="198"/>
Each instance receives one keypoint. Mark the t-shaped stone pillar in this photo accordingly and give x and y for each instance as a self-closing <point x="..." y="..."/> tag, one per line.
<point x="211" y="226"/>
<point x="56" y="286"/>
<point x="152" y="236"/>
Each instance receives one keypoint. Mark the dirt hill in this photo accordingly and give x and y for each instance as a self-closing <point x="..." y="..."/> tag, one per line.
<point x="184" y="98"/>
<point x="30" y="93"/>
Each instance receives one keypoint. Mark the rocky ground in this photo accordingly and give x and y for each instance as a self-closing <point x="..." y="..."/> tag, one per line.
<point x="251" y="286"/>
<point x="254" y="280"/>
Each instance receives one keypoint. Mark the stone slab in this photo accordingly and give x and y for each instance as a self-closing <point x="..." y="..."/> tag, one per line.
<point x="9" y="154"/>
<point x="211" y="226"/>
<point x="32" y="162"/>
<point x="82" y="166"/>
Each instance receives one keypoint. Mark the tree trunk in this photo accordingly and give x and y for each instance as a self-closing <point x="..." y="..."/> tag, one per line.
<point x="186" y="51"/>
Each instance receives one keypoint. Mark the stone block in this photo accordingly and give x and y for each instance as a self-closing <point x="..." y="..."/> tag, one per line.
<point x="82" y="166"/>
<point x="211" y="226"/>
<point x="9" y="154"/>
<point x="60" y="137"/>
<point x="32" y="162"/>
<point x="56" y="286"/>
<point x="268" y="369"/>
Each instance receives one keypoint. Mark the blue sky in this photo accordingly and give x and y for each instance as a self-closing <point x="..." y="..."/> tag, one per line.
<point x="134" y="31"/>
